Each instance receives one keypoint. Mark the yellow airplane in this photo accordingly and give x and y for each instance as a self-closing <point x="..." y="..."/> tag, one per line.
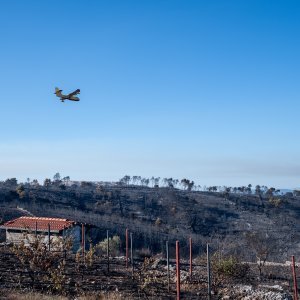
<point x="70" y="96"/>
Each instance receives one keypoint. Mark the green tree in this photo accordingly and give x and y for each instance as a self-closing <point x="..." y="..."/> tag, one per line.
<point x="21" y="191"/>
<point x="35" y="183"/>
<point x="134" y="179"/>
<point x="66" y="179"/>
<point x="152" y="179"/>
<point x="258" y="190"/>
<point x="270" y="192"/>
<point x="184" y="182"/>
<point x="11" y="182"/>
<point x="47" y="182"/>
<point x="125" y="180"/>
<point x="114" y="245"/>
<point x="249" y="189"/>
<point x="56" y="177"/>
<point x="190" y="185"/>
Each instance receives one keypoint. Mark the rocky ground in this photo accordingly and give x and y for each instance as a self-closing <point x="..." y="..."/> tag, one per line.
<point x="247" y="292"/>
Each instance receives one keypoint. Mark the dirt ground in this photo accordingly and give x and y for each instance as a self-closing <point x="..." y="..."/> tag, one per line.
<point x="149" y="280"/>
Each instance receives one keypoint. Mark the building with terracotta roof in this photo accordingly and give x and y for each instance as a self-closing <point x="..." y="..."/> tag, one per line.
<point x="26" y="228"/>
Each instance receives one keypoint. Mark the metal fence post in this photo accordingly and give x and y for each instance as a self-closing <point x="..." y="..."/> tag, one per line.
<point x="294" y="279"/>
<point x="126" y="245"/>
<point x="107" y="250"/>
<point x="168" y="266"/>
<point x="208" y="273"/>
<point x="131" y="252"/>
<point x="191" y="259"/>
<point x="83" y="242"/>
<point x="178" y="270"/>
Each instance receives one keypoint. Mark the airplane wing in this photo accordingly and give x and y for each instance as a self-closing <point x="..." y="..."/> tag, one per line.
<point x="74" y="93"/>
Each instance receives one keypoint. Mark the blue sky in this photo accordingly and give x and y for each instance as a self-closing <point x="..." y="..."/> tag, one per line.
<point x="207" y="90"/>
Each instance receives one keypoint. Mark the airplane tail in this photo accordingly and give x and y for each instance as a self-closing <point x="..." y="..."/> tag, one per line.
<point x="57" y="91"/>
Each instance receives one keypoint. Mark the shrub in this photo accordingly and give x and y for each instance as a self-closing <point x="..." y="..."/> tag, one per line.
<point x="158" y="222"/>
<point x="276" y="202"/>
<point x="114" y="245"/>
<point x="90" y="255"/>
<point x="144" y="252"/>
<point x="35" y="258"/>
<point x="21" y="191"/>
<point x="231" y="267"/>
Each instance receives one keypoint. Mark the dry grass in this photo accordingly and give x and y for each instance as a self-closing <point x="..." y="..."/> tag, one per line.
<point x="102" y="296"/>
<point x="31" y="296"/>
<point x="37" y="296"/>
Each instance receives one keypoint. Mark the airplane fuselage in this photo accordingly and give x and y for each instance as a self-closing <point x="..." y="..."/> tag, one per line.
<point x="63" y="98"/>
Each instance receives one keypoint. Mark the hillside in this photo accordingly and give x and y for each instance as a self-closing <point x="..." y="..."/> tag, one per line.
<point x="155" y="215"/>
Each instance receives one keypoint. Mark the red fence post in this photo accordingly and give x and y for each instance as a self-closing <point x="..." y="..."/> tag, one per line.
<point x="191" y="259"/>
<point x="126" y="239"/>
<point x="294" y="279"/>
<point x="178" y="270"/>
<point x="64" y="243"/>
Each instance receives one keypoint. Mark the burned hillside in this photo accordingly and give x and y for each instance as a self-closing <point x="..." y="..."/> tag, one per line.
<point x="159" y="214"/>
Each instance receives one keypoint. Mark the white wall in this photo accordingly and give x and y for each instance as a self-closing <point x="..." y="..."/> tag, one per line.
<point x="17" y="237"/>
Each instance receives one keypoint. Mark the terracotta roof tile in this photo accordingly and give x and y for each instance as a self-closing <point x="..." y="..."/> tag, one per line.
<point x="56" y="224"/>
